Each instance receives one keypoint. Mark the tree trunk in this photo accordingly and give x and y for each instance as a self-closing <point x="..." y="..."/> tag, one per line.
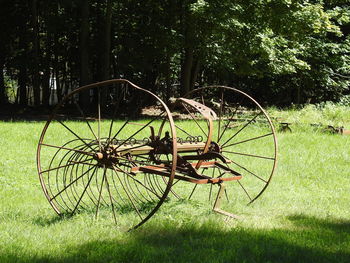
<point x="194" y="73"/>
<point x="107" y="42"/>
<point x="22" y="74"/>
<point x="85" y="77"/>
<point x="2" y="83"/>
<point x="35" y="58"/>
<point x="186" y="70"/>
<point x="168" y="78"/>
<point x="47" y="73"/>
<point x="56" y="69"/>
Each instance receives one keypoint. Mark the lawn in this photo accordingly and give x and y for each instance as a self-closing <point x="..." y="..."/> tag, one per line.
<point x="303" y="216"/>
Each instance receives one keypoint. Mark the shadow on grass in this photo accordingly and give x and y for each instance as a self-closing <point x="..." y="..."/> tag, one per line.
<point x="65" y="216"/>
<point x="47" y="221"/>
<point x="323" y="224"/>
<point x="308" y="240"/>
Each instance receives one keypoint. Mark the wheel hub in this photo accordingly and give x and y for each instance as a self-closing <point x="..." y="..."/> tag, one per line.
<point x="106" y="158"/>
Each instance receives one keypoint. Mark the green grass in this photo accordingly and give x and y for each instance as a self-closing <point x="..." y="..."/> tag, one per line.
<point x="323" y="114"/>
<point x="304" y="215"/>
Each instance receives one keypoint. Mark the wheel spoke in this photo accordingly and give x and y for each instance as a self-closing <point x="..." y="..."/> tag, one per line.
<point x="241" y="129"/>
<point x="71" y="131"/>
<point x="251" y="155"/>
<point x="85" y="119"/>
<point x="193" y="118"/>
<point x="68" y="149"/>
<point x="251" y="139"/>
<point x="211" y="185"/>
<point x="182" y="130"/>
<point x="100" y="191"/>
<point x="229" y="120"/>
<point x="146" y="125"/>
<point x="83" y="162"/>
<point x="220" y="113"/>
<point x="127" y="193"/>
<point x="140" y="183"/>
<point x="194" y="188"/>
<point x="72" y="182"/>
<point x="111" y="200"/>
<point x="250" y="172"/>
<point x="99" y="117"/>
<point x="63" y="166"/>
<point x="115" y="135"/>
<point x="244" y="190"/>
<point x="112" y="122"/>
<point x="87" y="185"/>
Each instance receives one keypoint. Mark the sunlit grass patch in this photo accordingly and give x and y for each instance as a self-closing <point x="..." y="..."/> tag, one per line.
<point x="302" y="217"/>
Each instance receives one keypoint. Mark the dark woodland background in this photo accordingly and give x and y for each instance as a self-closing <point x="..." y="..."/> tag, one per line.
<point x="280" y="51"/>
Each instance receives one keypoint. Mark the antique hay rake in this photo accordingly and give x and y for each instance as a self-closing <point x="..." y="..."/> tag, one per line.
<point x="98" y="150"/>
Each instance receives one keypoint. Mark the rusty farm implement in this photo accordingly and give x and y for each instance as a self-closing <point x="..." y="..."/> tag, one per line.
<point x="104" y="154"/>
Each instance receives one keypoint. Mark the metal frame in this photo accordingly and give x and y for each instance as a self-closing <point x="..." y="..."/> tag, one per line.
<point x="205" y="154"/>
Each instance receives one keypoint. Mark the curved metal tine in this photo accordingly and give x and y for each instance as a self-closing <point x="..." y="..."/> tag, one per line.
<point x="244" y="189"/>
<point x="211" y="185"/>
<point x="156" y="181"/>
<point x="194" y="188"/>
<point x="100" y="192"/>
<point x="135" y="192"/>
<point x="140" y="191"/>
<point x="87" y="185"/>
<point x="249" y="122"/>
<point x="210" y="190"/>
<point x="59" y="167"/>
<point x="83" y="182"/>
<point x="189" y="112"/>
<point x="230" y="118"/>
<point x="126" y="192"/>
<point x="252" y="155"/>
<point x="70" y="130"/>
<point x="111" y="199"/>
<point x="84" y="116"/>
<point x="130" y="176"/>
<point x="220" y="112"/>
<point x="70" y="172"/>
<point x="146" y="182"/>
<point x="174" y="183"/>
<point x="83" y="162"/>
<point x="68" y="149"/>
<point x="226" y="195"/>
<point x="59" y="164"/>
<point x="99" y="117"/>
<point x="118" y="193"/>
<point x="250" y="139"/>
<point x="155" y="178"/>
<point x="146" y="125"/>
<point x="63" y="176"/>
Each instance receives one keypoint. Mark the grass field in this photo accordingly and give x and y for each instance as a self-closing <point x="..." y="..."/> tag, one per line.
<point x="304" y="215"/>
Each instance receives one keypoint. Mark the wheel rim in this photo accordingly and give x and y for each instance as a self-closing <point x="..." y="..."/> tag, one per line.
<point x="245" y="135"/>
<point x="85" y="156"/>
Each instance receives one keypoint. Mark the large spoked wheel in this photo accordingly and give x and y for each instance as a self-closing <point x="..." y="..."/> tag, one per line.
<point x="92" y="142"/>
<point x="242" y="133"/>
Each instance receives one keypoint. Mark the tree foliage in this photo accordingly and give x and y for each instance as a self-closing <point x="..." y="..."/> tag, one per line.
<point x="283" y="51"/>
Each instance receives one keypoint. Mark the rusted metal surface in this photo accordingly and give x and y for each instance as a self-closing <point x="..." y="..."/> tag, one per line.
<point x="140" y="170"/>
